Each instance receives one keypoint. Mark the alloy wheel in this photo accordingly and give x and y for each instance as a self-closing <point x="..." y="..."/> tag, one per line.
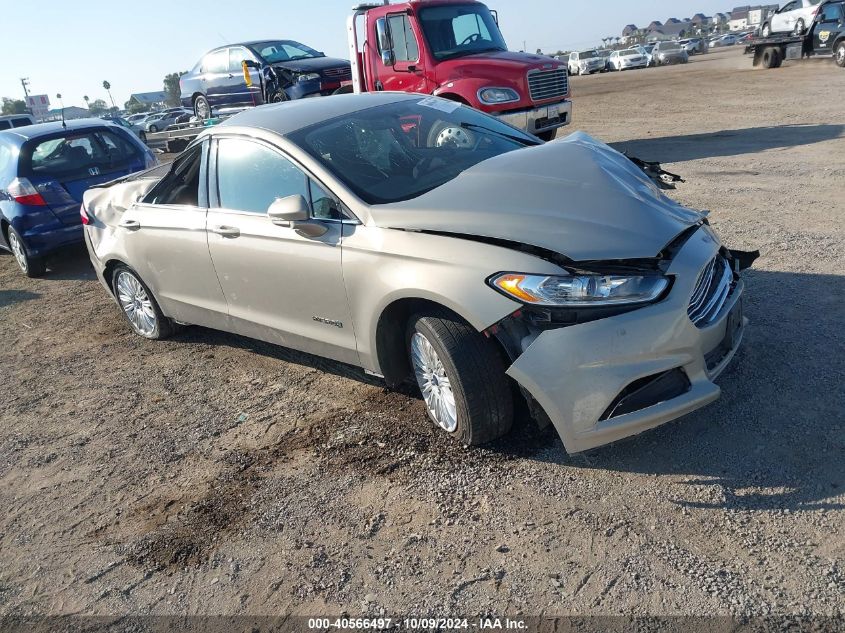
<point x="18" y="251"/>
<point x="456" y="137"/>
<point x="136" y="304"/>
<point x="840" y="55"/>
<point x="202" y="109"/>
<point x="434" y="383"/>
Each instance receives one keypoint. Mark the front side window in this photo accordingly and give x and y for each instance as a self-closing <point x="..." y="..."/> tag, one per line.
<point x="182" y="183"/>
<point x="405" y="46"/>
<point x="323" y="205"/>
<point x="456" y="30"/>
<point x="832" y="13"/>
<point x="399" y="151"/>
<point x="251" y="176"/>
<point x="237" y="56"/>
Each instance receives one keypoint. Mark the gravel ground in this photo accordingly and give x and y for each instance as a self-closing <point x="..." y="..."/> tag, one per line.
<point x="213" y="474"/>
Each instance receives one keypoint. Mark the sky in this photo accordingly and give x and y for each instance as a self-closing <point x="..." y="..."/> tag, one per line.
<point x="71" y="47"/>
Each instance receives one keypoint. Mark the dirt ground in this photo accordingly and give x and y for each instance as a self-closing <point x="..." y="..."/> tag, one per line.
<point x="212" y="474"/>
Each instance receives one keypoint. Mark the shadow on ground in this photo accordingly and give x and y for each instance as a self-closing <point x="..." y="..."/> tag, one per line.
<point x="677" y="149"/>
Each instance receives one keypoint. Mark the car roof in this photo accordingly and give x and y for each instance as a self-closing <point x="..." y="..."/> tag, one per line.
<point x="28" y="132"/>
<point x="290" y="116"/>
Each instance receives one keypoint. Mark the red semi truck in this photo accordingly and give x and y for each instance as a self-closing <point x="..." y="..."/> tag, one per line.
<point x="455" y="50"/>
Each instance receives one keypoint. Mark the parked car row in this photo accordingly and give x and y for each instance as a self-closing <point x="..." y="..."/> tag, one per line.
<point x="639" y="56"/>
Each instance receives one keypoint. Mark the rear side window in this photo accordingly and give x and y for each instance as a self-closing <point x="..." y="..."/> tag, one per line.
<point x="216" y="62"/>
<point x="5" y="125"/>
<point x="182" y="183"/>
<point x="21" y="122"/>
<point x="79" y="155"/>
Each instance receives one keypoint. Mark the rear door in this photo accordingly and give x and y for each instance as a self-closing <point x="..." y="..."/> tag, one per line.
<point x="64" y="166"/>
<point x="215" y="71"/>
<point x="243" y="94"/>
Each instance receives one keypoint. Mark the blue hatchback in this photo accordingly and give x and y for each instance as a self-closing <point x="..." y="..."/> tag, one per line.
<point x="45" y="169"/>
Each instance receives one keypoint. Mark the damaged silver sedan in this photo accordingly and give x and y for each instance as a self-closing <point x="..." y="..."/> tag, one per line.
<point x="423" y="240"/>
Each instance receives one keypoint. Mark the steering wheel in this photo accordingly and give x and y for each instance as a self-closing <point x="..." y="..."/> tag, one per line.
<point x="471" y="39"/>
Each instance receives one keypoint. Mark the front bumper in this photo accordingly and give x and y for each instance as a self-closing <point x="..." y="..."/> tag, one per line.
<point x="576" y="373"/>
<point x="540" y="119"/>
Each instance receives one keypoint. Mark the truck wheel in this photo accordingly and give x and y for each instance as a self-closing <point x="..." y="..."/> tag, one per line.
<point x="771" y="57"/>
<point x="461" y="377"/>
<point x="840" y="54"/>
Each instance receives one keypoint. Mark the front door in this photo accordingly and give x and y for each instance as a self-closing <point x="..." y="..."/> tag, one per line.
<point x="829" y="25"/>
<point x="280" y="286"/>
<point x="165" y="240"/>
<point x="242" y="94"/>
<point x="406" y="73"/>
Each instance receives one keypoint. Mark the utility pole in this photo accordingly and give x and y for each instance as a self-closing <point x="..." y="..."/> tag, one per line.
<point x="25" y="84"/>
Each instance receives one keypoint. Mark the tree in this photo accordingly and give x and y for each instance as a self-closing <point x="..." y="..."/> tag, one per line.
<point x="13" y="106"/>
<point x="98" y="107"/>
<point x="134" y="107"/>
<point x="107" y="86"/>
<point x="171" y="87"/>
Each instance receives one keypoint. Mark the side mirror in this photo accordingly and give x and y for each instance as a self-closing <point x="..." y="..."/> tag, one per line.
<point x="388" y="58"/>
<point x="495" y="15"/>
<point x="293" y="212"/>
<point x="286" y="211"/>
<point x="251" y="64"/>
<point x="385" y="43"/>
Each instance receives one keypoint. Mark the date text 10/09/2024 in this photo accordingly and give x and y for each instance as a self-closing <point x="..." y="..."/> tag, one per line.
<point x="417" y="624"/>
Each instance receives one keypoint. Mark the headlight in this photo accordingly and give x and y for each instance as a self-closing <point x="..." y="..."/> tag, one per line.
<point x="497" y="95"/>
<point x="580" y="291"/>
<point x="308" y="77"/>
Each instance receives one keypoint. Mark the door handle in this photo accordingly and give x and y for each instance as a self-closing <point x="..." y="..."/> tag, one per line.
<point x="130" y="225"/>
<point x="230" y="232"/>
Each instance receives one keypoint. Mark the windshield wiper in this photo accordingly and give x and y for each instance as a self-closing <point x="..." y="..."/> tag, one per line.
<point x="513" y="137"/>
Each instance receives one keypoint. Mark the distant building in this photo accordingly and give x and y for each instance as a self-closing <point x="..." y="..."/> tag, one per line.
<point x="739" y="18"/>
<point x="719" y="19"/>
<point x="70" y="113"/>
<point x="149" y="99"/>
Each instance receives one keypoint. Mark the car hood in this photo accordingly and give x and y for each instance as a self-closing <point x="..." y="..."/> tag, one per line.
<point x="311" y="65"/>
<point x="577" y="197"/>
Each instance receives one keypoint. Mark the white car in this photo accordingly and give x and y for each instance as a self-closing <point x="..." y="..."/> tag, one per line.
<point x="586" y="62"/>
<point x="627" y="59"/>
<point x="793" y="17"/>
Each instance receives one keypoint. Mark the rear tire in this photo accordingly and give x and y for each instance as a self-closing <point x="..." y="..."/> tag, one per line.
<point x="771" y="57"/>
<point x="462" y="378"/>
<point x="153" y="129"/>
<point x="139" y="307"/>
<point x="30" y="265"/>
<point x="202" y="109"/>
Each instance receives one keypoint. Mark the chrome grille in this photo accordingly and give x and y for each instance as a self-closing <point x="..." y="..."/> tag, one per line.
<point x="548" y="84"/>
<point x="712" y="289"/>
<point x="337" y="73"/>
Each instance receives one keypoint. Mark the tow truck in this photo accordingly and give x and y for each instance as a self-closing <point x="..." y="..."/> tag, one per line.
<point x="825" y="37"/>
<point x="454" y="49"/>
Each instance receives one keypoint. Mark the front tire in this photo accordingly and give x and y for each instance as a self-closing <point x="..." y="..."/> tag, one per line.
<point x="30" y="265"/>
<point x="462" y="378"/>
<point x="138" y="305"/>
<point x="153" y="129"/>
<point x="840" y="54"/>
<point x="771" y="57"/>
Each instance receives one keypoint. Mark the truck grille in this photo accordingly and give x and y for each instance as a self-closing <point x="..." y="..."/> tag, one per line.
<point x="548" y="84"/>
<point x="711" y="291"/>
<point x="337" y="73"/>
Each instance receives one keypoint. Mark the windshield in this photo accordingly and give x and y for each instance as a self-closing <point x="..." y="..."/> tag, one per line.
<point x="284" y="51"/>
<point x="456" y="30"/>
<point x="669" y="47"/>
<point x="588" y="54"/>
<point x="399" y="151"/>
<point x="630" y="51"/>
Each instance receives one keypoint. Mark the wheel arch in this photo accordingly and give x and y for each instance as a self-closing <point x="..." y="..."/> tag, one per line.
<point x="390" y="336"/>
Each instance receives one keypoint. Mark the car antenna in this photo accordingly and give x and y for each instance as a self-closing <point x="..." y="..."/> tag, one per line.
<point x="59" y="97"/>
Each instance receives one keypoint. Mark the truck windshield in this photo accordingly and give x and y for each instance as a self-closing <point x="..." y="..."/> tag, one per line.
<point x="401" y="150"/>
<point x="284" y="51"/>
<point x="457" y="30"/>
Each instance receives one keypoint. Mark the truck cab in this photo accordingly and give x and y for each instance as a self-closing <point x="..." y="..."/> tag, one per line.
<point x="455" y="50"/>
